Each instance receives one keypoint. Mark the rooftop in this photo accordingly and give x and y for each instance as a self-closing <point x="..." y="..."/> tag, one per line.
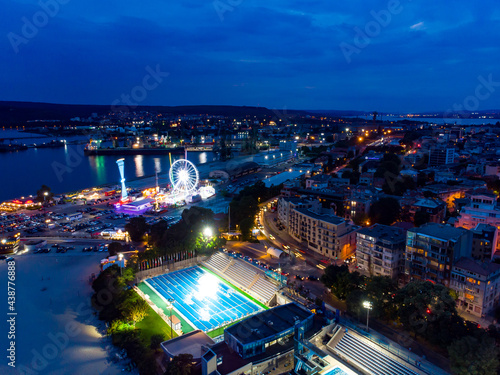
<point x="268" y="323"/>
<point x="444" y="232"/>
<point x="480" y="268"/>
<point x="484" y="228"/>
<point x="190" y="343"/>
<point x="384" y="232"/>
<point x="429" y="203"/>
<point x="330" y="218"/>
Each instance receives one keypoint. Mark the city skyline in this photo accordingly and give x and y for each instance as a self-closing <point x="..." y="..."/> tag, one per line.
<point x="397" y="56"/>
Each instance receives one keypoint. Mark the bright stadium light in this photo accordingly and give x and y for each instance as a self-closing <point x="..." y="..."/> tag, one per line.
<point x="208" y="232"/>
<point x="368" y="306"/>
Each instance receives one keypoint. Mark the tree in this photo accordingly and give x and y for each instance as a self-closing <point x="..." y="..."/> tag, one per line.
<point x="44" y="194"/>
<point x="115" y="248"/>
<point x="246" y="228"/>
<point x="181" y="364"/>
<point x="136" y="228"/>
<point x="361" y="219"/>
<point x="384" y="211"/>
<point x="380" y="290"/>
<point x="156" y="340"/>
<point x="134" y="309"/>
<point x="390" y="163"/>
<point x="340" y="280"/>
<point x="428" y="309"/>
<point x="474" y="356"/>
<point x="421" y="217"/>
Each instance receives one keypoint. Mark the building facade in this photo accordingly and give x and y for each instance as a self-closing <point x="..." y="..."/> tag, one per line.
<point x="441" y="156"/>
<point x="380" y="251"/>
<point x="432" y="249"/>
<point x="484" y="242"/>
<point x="477" y="286"/>
<point x="326" y="234"/>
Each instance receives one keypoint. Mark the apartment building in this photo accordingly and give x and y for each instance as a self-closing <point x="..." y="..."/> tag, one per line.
<point x="432" y="249"/>
<point x="380" y="251"/>
<point x="477" y="285"/>
<point x="326" y="234"/>
<point x="484" y="241"/>
<point x="482" y="209"/>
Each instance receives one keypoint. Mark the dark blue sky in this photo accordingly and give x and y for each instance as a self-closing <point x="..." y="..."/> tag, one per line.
<point x="280" y="54"/>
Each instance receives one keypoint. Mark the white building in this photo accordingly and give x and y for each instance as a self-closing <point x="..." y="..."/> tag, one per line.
<point x="477" y="285"/>
<point x="327" y="234"/>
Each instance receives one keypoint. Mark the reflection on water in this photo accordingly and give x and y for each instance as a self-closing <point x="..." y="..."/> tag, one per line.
<point x="139" y="167"/>
<point x="67" y="169"/>
<point x="157" y="164"/>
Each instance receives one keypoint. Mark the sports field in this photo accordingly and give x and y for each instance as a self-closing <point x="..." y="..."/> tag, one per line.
<point x="202" y="299"/>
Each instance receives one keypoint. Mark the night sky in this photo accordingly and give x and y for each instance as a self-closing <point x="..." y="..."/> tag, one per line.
<point x="305" y="54"/>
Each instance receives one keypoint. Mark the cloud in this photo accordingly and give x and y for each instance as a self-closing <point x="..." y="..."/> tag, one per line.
<point x="267" y="53"/>
<point x="418" y="26"/>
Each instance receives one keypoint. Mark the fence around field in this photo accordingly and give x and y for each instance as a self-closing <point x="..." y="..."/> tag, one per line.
<point x="168" y="267"/>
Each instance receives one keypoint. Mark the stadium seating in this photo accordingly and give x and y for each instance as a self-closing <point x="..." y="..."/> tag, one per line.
<point x="219" y="261"/>
<point x="264" y="288"/>
<point x="242" y="273"/>
<point x="370" y="358"/>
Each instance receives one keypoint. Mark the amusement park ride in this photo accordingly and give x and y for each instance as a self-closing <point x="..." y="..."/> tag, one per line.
<point x="184" y="187"/>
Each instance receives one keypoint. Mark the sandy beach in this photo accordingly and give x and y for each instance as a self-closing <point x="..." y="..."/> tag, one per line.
<point x="55" y="327"/>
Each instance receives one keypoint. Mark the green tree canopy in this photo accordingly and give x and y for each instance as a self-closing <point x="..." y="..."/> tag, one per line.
<point x="136" y="228"/>
<point x="181" y="364"/>
<point x="340" y="280"/>
<point x="44" y="194"/>
<point x="385" y="211"/>
<point x="474" y="356"/>
<point x="427" y="309"/>
<point x="115" y="248"/>
<point x="134" y="309"/>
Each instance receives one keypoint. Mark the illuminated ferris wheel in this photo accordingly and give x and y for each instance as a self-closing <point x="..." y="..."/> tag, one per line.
<point x="183" y="177"/>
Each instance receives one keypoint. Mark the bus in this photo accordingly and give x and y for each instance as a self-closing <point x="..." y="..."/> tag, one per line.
<point x="75" y="216"/>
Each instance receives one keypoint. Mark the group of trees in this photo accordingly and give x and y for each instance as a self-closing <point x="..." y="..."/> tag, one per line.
<point x="44" y="194"/>
<point x="122" y="308"/>
<point x="186" y="235"/>
<point x="245" y="206"/>
<point x="422" y="308"/>
<point x="385" y="211"/>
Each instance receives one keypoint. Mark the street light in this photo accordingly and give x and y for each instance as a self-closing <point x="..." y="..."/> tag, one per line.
<point x="207" y="232"/>
<point x="170" y="306"/>
<point x="368" y="306"/>
<point x="120" y="258"/>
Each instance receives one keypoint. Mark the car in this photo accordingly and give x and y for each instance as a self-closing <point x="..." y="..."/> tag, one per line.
<point x="9" y="259"/>
<point x="298" y="277"/>
<point x="2" y="257"/>
<point x="312" y="278"/>
<point x="55" y="245"/>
